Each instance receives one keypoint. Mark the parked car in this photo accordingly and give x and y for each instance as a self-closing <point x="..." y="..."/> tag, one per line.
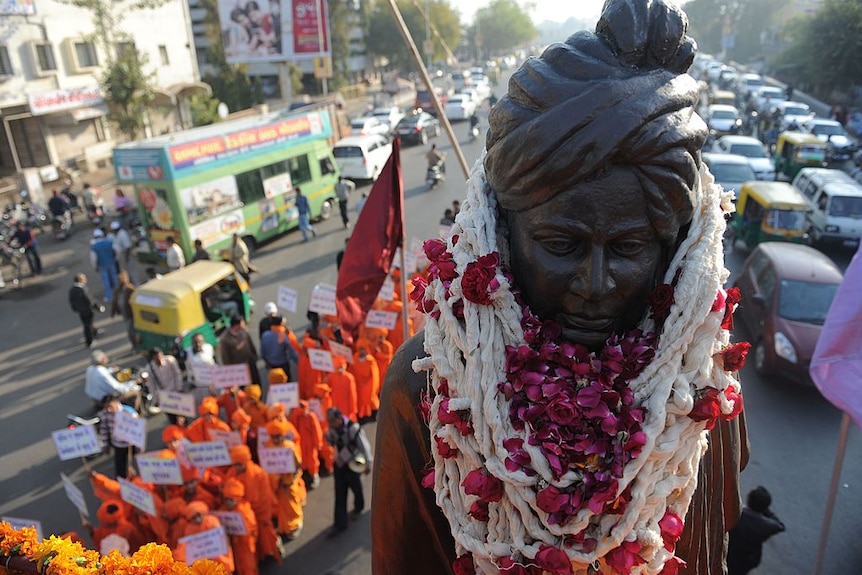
<point x="460" y="107"/>
<point x="751" y="148"/>
<point x="730" y="171"/>
<point x="368" y="125"/>
<point x="418" y="128"/>
<point x="361" y="158"/>
<point x="722" y="120"/>
<point x="840" y="146"/>
<point x="792" y="114"/>
<point x="390" y="115"/>
<point x="786" y="292"/>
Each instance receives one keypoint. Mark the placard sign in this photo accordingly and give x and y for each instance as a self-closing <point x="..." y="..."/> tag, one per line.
<point x="286" y="394"/>
<point x="75" y="495"/>
<point x="417" y="249"/>
<point x="160" y="470"/>
<point x="387" y="290"/>
<point x="381" y="319"/>
<point x="131" y="429"/>
<point x="323" y="300"/>
<point x="203" y="375"/>
<point x="286" y="300"/>
<point x="178" y="403"/>
<point x="277" y="459"/>
<point x="205" y="545"/>
<point x="444" y="231"/>
<point x="317" y="409"/>
<point x="321" y="360"/>
<point x="18" y="523"/>
<point x="341" y="350"/>
<point x="234" y="375"/>
<point x="262" y="438"/>
<point x="232" y="522"/>
<point x="208" y="454"/>
<point x="231" y="438"/>
<point x="137" y="496"/>
<point x="77" y="442"/>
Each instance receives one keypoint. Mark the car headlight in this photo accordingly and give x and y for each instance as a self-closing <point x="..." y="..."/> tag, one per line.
<point x="832" y="229"/>
<point x="783" y="347"/>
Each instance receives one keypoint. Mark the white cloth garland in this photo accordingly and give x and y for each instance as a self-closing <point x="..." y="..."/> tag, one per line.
<point x="470" y="355"/>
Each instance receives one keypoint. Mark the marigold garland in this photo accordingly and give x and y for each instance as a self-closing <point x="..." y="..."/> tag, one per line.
<point x="62" y="556"/>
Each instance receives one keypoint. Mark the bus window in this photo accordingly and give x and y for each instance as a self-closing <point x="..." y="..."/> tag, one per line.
<point x="250" y="186"/>
<point x="273" y="170"/>
<point x="326" y="166"/>
<point x="300" y="171"/>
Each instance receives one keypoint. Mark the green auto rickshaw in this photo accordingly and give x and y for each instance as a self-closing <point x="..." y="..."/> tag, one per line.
<point x="797" y="150"/>
<point x="768" y="211"/>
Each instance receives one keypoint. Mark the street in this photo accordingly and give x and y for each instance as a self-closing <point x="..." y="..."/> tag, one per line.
<point x="793" y="431"/>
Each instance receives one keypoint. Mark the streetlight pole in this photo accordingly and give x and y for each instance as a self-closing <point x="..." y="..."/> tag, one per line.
<point x="320" y="45"/>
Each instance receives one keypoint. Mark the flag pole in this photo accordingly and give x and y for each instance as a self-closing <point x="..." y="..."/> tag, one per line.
<point x="404" y="302"/>
<point x="833" y="492"/>
<point x="417" y="60"/>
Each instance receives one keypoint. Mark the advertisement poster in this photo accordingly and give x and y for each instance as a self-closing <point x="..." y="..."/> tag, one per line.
<point x="210" y="199"/>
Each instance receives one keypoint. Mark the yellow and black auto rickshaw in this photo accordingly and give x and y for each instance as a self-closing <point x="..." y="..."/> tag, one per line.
<point x="768" y="211"/>
<point x="797" y="150"/>
<point x="198" y="298"/>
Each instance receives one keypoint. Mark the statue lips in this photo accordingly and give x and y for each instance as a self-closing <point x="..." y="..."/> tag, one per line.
<point x="582" y="327"/>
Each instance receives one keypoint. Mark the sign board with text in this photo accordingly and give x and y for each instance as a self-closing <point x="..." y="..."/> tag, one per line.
<point x="130" y="428"/>
<point x="208" y="454"/>
<point x="231" y="438"/>
<point x="277" y="459"/>
<point x="160" y="470"/>
<point x="381" y="319"/>
<point x="341" y="350"/>
<point x="323" y="300"/>
<point x="77" y="442"/>
<point x="234" y="375"/>
<point x="178" y="403"/>
<point x="232" y="522"/>
<point x="286" y="394"/>
<point x="321" y="360"/>
<point x="75" y="495"/>
<point x="205" y="545"/>
<point x="137" y="496"/>
<point x="287" y="298"/>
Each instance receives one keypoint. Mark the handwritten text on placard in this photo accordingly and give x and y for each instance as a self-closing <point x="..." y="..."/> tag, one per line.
<point x="277" y="460"/>
<point x="341" y="350"/>
<point x="131" y="429"/>
<point x="235" y="375"/>
<point x="77" y="442"/>
<point x="75" y="495"/>
<point x="287" y="298"/>
<point x="323" y="300"/>
<point x="230" y="437"/>
<point x="137" y="496"/>
<point x="321" y="360"/>
<point x="205" y="545"/>
<point x="381" y="319"/>
<point x="178" y="403"/>
<point x="286" y="394"/>
<point x="232" y="522"/>
<point x="160" y="470"/>
<point x="208" y="454"/>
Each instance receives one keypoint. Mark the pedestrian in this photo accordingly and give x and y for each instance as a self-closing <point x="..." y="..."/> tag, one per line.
<point x="343" y="189"/>
<point x="121" y="305"/>
<point x="270" y="311"/>
<point x="165" y="372"/>
<point x="58" y="205"/>
<point x="360" y="203"/>
<point x="239" y="257"/>
<point x="352" y="451"/>
<point x="367" y="376"/>
<point x="456" y="208"/>
<point x="107" y="422"/>
<point x="113" y="523"/>
<point x="244" y="546"/>
<point x="84" y="305"/>
<point x="259" y="494"/>
<point x="236" y="346"/>
<point x="200" y="357"/>
<point x="104" y="261"/>
<point x="448" y="218"/>
<point x="199" y="430"/>
<point x="122" y="244"/>
<point x="26" y="239"/>
<point x="343" y="386"/>
<point x="307" y="424"/>
<point x="92" y="199"/>
<point x="174" y="256"/>
<point x="276" y="349"/>
<point x="757" y="524"/>
<point x="200" y="252"/>
<point x="198" y="520"/>
<point x="304" y="210"/>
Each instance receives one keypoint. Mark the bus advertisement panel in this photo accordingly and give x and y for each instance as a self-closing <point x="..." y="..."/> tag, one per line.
<point x="234" y="177"/>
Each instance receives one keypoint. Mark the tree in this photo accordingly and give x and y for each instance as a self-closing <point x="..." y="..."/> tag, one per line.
<point x="500" y="27"/>
<point x="108" y="16"/>
<point x="339" y="38"/>
<point x="383" y="38"/>
<point x="742" y="20"/>
<point x="204" y="109"/>
<point x="129" y="89"/>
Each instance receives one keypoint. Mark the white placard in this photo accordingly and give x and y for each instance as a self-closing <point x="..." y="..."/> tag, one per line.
<point x="321" y="360"/>
<point x="208" y="454"/>
<point x="77" y="442"/>
<point x="131" y="429"/>
<point x="387" y="290"/>
<point x="444" y="231"/>
<point x="137" y="496"/>
<point x="203" y="377"/>
<point x="410" y="262"/>
<point x="286" y="394"/>
<point x="277" y="459"/>
<point x="323" y="300"/>
<point x="262" y="438"/>
<point x="232" y="522"/>
<point x="341" y="350"/>
<point x="205" y="545"/>
<point x="416" y="246"/>
<point x="287" y="298"/>
<point x="18" y="523"/>
<point x="317" y="409"/>
<point x="160" y="470"/>
<point x="381" y="319"/>
<point x="234" y="375"/>
<point x="179" y="403"/>
<point x="75" y="495"/>
<point x="231" y="438"/>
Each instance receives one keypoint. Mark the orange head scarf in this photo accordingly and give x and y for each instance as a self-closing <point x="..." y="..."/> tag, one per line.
<point x="277" y="427"/>
<point x="110" y="512"/>
<point x="208" y="405"/>
<point x="172" y="433"/>
<point x="275" y="411"/>
<point x="254" y="391"/>
<point x="233" y="488"/>
<point x="195" y="507"/>
<point x="277" y="376"/>
<point x="240" y="454"/>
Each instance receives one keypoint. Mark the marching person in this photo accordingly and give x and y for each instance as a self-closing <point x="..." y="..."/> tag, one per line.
<point x="343" y="189"/>
<point x="351" y="447"/>
<point x="104" y="261"/>
<point x="236" y="347"/>
<point x="26" y="239"/>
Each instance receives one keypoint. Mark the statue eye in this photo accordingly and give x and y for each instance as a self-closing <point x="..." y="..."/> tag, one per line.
<point x="628" y="246"/>
<point x="559" y="245"/>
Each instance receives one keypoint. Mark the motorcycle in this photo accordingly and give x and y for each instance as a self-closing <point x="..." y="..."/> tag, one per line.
<point x="434" y="175"/>
<point x="61" y="225"/>
<point x="95" y="213"/>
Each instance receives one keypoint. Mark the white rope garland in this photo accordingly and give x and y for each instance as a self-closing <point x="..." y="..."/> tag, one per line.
<point x="470" y="354"/>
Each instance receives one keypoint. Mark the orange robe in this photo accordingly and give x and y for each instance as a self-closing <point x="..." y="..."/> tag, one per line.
<point x="124" y="529"/>
<point x="198" y="431"/>
<point x="396" y="335"/>
<point x="104" y="487"/>
<point x="245" y="546"/>
<point x="173" y="516"/>
<point x="290" y="493"/>
<point x="262" y="500"/>
<point x="343" y="386"/>
<point x="367" y="384"/>
<point x="310" y="438"/>
<point x="383" y="352"/>
<point x="210" y="522"/>
<point x="229" y="402"/>
<point x="308" y="377"/>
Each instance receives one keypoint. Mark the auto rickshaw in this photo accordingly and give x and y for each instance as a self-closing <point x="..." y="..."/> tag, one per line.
<point x="198" y="298"/>
<point x="797" y="150"/>
<point x="768" y="211"/>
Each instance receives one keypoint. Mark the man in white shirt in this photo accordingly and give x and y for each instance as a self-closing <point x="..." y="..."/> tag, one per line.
<point x="199" y="357"/>
<point x="343" y="189"/>
<point x="175" y="257"/>
<point x="100" y="383"/>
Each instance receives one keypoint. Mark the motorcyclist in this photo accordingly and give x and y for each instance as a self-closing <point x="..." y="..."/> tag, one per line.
<point x="436" y="158"/>
<point x="100" y="383"/>
<point x="474" y="123"/>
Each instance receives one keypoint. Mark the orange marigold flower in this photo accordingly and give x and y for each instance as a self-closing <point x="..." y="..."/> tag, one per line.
<point x="207" y="567"/>
<point x="17" y="541"/>
<point x="153" y="559"/>
<point x="115" y="564"/>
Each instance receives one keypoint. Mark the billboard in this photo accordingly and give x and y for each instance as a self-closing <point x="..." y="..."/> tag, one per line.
<point x="267" y="31"/>
<point x="17" y="7"/>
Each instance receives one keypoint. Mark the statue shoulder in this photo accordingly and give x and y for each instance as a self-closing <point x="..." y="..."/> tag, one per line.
<point x="401" y="380"/>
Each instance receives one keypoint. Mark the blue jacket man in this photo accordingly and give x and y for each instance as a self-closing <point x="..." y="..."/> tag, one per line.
<point x="104" y="261"/>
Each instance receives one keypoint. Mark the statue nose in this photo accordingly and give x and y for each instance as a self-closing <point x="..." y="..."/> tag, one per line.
<point x="592" y="280"/>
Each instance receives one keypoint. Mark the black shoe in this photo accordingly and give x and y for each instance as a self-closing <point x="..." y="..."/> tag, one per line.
<point x="335" y="532"/>
<point x="356" y="514"/>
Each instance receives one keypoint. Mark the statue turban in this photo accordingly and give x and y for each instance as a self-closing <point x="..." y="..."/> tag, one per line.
<point x="619" y="96"/>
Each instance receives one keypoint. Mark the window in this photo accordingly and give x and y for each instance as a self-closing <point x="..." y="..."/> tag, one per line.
<point x="250" y="186"/>
<point x="44" y="55"/>
<point x="5" y="62"/>
<point x="85" y="54"/>
<point x="163" y="55"/>
<point x="326" y="166"/>
<point x="126" y="48"/>
<point x="300" y="171"/>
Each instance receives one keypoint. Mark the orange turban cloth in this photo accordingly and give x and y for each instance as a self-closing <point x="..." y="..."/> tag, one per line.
<point x="276" y="410"/>
<point x="240" y="417"/>
<point x="174" y="507"/>
<point x="254" y="391"/>
<point x="240" y="454"/>
<point x="233" y="488"/>
<point x="208" y="405"/>
<point x="195" y="507"/>
<point x="277" y="375"/>
<point x="172" y="433"/>
<point x="110" y="511"/>
<point x="276" y="427"/>
<point x="189" y="473"/>
<point x="72" y="536"/>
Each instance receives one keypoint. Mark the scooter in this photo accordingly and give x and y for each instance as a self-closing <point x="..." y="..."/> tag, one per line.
<point x="434" y="176"/>
<point x="62" y="226"/>
<point x="95" y="214"/>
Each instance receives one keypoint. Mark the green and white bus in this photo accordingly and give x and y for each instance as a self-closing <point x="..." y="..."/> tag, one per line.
<point x="237" y="176"/>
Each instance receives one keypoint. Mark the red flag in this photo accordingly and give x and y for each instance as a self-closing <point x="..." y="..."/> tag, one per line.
<point x="379" y="231"/>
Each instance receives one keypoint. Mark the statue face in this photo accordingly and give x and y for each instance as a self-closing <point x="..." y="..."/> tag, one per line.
<point x="589" y="257"/>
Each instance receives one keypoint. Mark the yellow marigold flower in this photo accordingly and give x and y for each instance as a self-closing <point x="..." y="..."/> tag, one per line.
<point x="115" y="564"/>
<point x="207" y="567"/>
<point x="153" y="559"/>
<point x="17" y="541"/>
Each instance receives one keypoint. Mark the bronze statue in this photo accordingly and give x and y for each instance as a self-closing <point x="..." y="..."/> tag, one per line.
<point x="576" y="363"/>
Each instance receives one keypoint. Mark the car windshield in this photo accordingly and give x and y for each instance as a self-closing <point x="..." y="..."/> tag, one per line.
<point x="828" y="130"/>
<point x="347" y="152"/>
<point x="771" y="92"/>
<point x="408" y="122"/>
<point x="806" y="302"/>
<point x="732" y="172"/>
<point x="812" y="153"/>
<point x="357" y="124"/>
<point x="723" y="115"/>
<point x="786" y="220"/>
<point x="846" y="207"/>
<point x="748" y="150"/>
<point x="795" y="111"/>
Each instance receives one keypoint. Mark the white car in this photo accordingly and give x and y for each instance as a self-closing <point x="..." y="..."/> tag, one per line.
<point x="369" y="125"/>
<point x="752" y="149"/>
<point x="730" y="171"/>
<point x="460" y="107"/>
<point x="391" y="115"/>
<point x="722" y="119"/>
<point x="793" y="114"/>
<point x="841" y="145"/>
<point x="747" y="84"/>
<point x="766" y="97"/>
<point x="361" y="158"/>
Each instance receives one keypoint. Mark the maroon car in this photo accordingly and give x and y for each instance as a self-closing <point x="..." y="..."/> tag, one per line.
<point x="786" y="293"/>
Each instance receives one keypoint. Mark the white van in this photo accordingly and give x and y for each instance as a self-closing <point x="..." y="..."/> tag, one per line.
<point x="361" y="158"/>
<point x="836" y="209"/>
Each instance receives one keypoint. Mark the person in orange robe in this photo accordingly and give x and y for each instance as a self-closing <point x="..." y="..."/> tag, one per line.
<point x="323" y="395"/>
<point x="308" y="376"/>
<point x="259" y="494"/>
<point x="104" y="488"/>
<point x="112" y="520"/>
<point x="244" y="546"/>
<point x="198" y="520"/>
<point x="381" y="349"/>
<point x="367" y="376"/>
<point x="172" y="514"/>
<point x="230" y="400"/>
<point x="343" y="386"/>
<point x="240" y="421"/>
<point x="198" y="431"/>
<point x="289" y="488"/>
<point x="396" y="335"/>
<point x="310" y="442"/>
<point x="256" y="409"/>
